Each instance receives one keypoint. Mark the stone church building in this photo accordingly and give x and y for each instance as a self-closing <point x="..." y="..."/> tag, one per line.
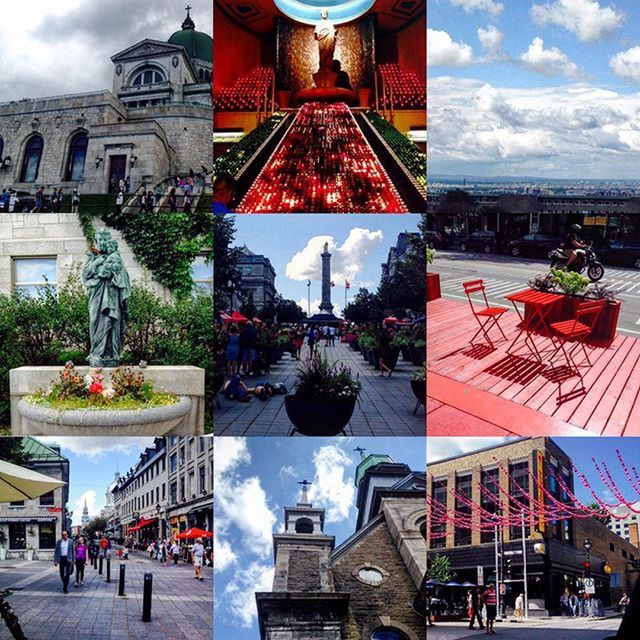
<point x="155" y="122"/>
<point x="370" y="587"/>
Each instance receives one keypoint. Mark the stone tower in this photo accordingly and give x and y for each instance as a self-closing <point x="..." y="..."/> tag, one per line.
<point x="303" y="603"/>
<point x="85" y="515"/>
<point x="326" y="305"/>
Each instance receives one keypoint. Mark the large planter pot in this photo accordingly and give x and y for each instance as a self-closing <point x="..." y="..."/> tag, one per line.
<point x="433" y="286"/>
<point x="607" y="323"/>
<point x="406" y="354"/>
<point x="284" y="99"/>
<point x="319" y="417"/>
<point x="355" y="345"/>
<point x="154" y="421"/>
<point x="417" y="356"/>
<point x="364" y="97"/>
<point x="419" y="389"/>
<point x="392" y="359"/>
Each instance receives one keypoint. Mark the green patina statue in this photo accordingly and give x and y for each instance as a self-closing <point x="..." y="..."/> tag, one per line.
<point x="109" y="288"/>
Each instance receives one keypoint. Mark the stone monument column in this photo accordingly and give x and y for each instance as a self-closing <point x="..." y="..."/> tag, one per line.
<point x="326" y="305"/>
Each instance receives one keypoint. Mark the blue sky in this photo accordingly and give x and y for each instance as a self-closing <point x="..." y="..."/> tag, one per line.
<point x="580" y="450"/>
<point x="92" y="464"/>
<point x="255" y="479"/>
<point x="534" y="87"/>
<point x="359" y="244"/>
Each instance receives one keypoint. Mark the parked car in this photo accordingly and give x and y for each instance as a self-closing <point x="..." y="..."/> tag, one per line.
<point x="487" y="241"/>
<point x="622" y="252"/>
<point x="437" y="240"/>
<point x="534" y="244"/>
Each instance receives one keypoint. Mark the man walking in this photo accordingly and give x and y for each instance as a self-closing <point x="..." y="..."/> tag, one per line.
<point x="197" y="552"/>
<point x="474" y="608"/>
<point x="63" y="557"/>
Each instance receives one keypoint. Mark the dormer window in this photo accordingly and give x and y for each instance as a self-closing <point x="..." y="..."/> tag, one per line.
<point x="148" y="75"/>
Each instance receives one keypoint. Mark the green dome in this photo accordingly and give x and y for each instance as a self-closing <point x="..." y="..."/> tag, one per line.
<point x="197" y="44"/>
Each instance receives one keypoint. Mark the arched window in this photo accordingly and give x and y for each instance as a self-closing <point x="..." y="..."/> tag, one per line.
<point x="388" y="633"/>
<point x="423" y="530"/>
<point x="31" y="160"/>
<point x="201" y="74"/>
<point x="304" y="525"/>
<point x="77" y="157"/>
<point x="148" y="75"/>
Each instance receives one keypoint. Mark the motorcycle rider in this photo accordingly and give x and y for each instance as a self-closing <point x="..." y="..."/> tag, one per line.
<point x="572" y="243"/>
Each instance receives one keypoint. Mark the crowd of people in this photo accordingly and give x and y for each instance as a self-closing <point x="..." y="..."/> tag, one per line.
<point x="11" y="201"/>
<point x="72" y="554"/>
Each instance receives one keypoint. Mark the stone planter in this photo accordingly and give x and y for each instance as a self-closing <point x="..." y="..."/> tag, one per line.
<point x="319" y="417"/>
<point x="433" y="286"/>
<point x="419" y="388"/>
<point x="154" y="421"/>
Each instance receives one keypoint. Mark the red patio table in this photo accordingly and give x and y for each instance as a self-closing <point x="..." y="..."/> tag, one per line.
<point x="541" y="304"/>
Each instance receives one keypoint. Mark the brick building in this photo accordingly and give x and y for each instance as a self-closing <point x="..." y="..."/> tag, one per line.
<point x="367" y="587"/>
<point x="554" y="549"/>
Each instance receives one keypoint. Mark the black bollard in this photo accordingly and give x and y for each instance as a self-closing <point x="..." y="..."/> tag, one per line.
<point x="108" y="569"/>
<point x="146" y="597"/>
<point x="100" y="566"/>
<point x="121" y="582"/>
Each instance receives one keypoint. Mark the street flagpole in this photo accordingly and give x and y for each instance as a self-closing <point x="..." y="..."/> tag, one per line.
<point x="308" y="298"/>
<point x="524" y="560"/>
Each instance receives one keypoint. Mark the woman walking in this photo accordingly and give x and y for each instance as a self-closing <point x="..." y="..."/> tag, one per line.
<point x="233" y="351"/>
<point x="162" y="553"/>
<point x="385" y="352"/>
<point x="175" y="552"/>
<point x="298" y="341"/>
<point x="81" y="560"/>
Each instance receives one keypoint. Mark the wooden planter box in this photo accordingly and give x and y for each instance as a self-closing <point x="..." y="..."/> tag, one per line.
<point x="433" y="286"/>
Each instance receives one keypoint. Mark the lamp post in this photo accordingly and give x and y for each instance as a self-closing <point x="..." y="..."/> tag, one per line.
<point x="587" y="565"/>
<point x="4" y="163"/>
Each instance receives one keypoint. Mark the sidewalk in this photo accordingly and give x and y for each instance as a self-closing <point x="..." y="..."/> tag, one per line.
<point x="385" y="405"/>
<point x="490" y="392"/>
<point x="535" y="629"/>
<point x="182" y="608"/>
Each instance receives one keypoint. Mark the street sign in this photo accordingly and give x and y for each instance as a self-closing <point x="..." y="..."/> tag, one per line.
<point x="480" y="578"/>
<point x="589" y="586"/>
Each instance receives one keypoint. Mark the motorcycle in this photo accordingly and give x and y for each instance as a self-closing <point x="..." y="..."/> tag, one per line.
<point x="586" y="260"/>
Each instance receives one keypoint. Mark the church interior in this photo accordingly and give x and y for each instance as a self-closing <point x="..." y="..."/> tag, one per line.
<point x="320" y="106"/>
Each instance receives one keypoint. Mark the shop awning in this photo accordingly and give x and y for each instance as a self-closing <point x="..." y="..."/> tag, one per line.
<point x="29" y="519"/>
<point x="143" y="523"/>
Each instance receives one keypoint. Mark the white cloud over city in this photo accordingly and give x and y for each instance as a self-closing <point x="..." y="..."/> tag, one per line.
<point x="489" y="6"/>
<point x="96" y="448"/>
<point x="548" y="61"/>
<point x="443" y="51"/>
<point x="347" y="257"/>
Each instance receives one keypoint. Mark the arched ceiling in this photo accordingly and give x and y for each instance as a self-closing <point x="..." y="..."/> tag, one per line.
<point x="258" y="15"/>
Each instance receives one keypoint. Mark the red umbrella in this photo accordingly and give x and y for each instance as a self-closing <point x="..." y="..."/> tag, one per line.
<point x="391" y="320"/>
<point x="194" y="533"/>
<point x="236" y="316"/>
<point x="225" y="317"/>
<point x="257" y="321"/>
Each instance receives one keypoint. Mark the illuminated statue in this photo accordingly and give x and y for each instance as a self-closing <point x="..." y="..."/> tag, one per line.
<point x="325" y="35"/>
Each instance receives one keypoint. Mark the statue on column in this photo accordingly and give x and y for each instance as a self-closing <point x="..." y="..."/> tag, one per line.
<point x="109" y="289"/>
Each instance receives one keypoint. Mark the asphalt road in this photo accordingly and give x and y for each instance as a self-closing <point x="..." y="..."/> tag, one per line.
<point x="504" y="275"/>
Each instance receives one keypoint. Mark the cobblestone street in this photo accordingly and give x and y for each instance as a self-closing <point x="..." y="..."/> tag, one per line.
<point x="181" y="606"/>
<point x="385" y="406"/>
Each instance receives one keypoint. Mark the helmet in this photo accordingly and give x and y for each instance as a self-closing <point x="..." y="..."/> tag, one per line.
<point x="576" y="228"/>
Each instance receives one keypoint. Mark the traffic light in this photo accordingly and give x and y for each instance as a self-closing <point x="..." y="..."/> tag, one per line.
<point x="587" y="567"/>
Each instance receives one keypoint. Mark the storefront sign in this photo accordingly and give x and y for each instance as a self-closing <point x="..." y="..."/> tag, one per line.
<point x="589" y="586"/>
<point x="601" y="221"/>
<point x="540" y="470"/>
<point x="480" y="578"/>
<point x="589" y="221"/>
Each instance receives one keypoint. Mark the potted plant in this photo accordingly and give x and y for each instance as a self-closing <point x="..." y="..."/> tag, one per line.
<point x="367" y="343"/>
<point x="433" y="279"/>
<point x="324" y="398"/>
<point x="419" y="387"/>
<point x="607" y="322"/>
<point x="418" y="355"/>
<point x="3" y="551"/>
<point x="402" y="342"/>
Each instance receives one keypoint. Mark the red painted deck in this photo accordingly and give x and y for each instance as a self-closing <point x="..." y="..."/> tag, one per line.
<point x="608" y="405"/>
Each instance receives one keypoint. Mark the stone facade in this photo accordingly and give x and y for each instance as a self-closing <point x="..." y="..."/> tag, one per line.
<point x="44" y="518"/>
<point x="191" y="473"/>
<point x="257" y="277"/>
<point x="146" y="130"/>
<point x="370" y="582"/>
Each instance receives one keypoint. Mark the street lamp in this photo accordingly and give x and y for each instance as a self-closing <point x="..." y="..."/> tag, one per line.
<point x="132" y="160"/>
<point x="5" y="162"/>
<point x="98" y="161"/>
<point x="587" y="565"/>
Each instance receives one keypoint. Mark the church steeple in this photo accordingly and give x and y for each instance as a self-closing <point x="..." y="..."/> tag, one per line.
<point x="188" y="22"/>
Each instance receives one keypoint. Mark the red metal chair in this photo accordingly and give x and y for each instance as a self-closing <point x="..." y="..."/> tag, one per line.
<point x="576" y="330"/>
<point x="490" y="314"/>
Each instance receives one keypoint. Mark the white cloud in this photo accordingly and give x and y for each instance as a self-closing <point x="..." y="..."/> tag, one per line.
<point x="239" y="594"/>
<point x="223" y="553"/>
<point x="549" y="62"/>
<point x="491" y="39"/>
<point x="332" y="488"/>
<point x="490" y="6"/>
<point x="587" y="19"/>
<point x="96" y="447"/>
<point x="241" y="503"/>
<point x="287" y="472"/>
<point x="347" y="259"/>
<point x="569" y="131"/>
<point x="626" y="64"/>
<point x="442" y="50"/>
<point x="442" y="448"/>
